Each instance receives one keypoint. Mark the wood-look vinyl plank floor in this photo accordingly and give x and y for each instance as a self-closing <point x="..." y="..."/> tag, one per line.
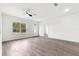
<point x="40" y="46"/>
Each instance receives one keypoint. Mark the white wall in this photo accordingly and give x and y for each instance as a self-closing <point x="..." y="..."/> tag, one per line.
<point x="8" y="34"/>
<point x="0" y="33"/>
<point x="64" y="27"/>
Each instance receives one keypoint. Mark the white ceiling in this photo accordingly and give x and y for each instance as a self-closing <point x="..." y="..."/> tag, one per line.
<point x="42" y="10"/>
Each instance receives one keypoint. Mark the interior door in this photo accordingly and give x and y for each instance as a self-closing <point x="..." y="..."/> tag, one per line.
<point x="36" y="29"/>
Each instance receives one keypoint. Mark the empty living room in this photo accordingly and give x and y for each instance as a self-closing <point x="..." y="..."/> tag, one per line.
<point x="40" y="29"/>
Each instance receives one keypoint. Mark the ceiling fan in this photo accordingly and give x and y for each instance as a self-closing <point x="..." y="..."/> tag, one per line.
<point x="30" y="12"/>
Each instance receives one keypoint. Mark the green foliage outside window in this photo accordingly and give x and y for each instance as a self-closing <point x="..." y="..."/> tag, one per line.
<point x="23" y="27"/>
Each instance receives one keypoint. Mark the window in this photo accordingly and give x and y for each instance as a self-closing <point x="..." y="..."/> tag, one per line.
<point x="19" y="27"/>
<point x="16" y="27"/>
<point x="23" y="27"/>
